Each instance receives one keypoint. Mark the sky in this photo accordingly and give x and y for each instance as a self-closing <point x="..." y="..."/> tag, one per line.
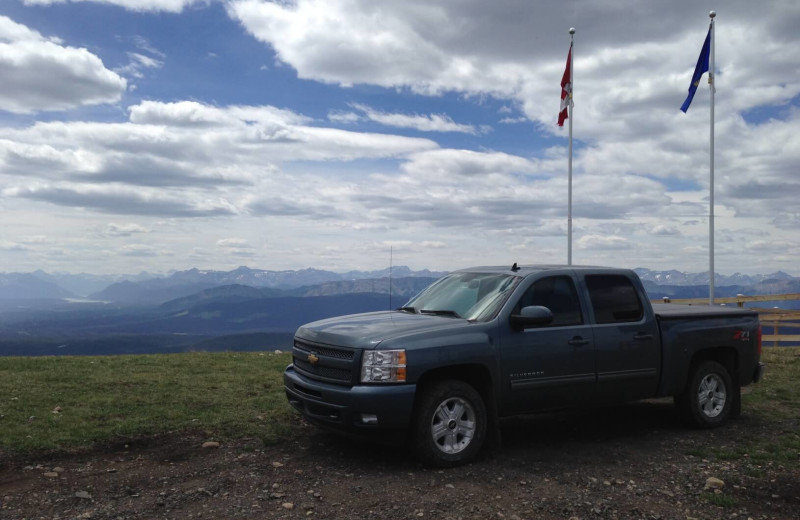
<point x="159" y="135"/>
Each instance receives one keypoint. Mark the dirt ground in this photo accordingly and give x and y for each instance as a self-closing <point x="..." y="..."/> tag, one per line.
<point x="635" y="461"/>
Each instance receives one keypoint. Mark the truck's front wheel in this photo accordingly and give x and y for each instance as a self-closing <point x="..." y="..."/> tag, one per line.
<point x="450" y="424"/>
<point x="708" y="397"/>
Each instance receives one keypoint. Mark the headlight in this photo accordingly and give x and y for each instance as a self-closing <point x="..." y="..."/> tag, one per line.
<point x="383" y="366"/>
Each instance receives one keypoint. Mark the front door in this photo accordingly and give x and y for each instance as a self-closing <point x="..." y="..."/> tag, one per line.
<point x="553" y="365"/>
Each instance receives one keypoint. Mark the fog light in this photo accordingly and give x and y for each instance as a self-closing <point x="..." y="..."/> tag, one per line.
<point x="369" y="418"/>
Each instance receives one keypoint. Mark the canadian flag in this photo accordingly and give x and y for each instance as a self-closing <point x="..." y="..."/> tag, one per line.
<point x="566" y="90"/>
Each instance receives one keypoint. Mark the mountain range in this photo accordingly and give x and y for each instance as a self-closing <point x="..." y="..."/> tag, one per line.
<point x="147" y="288"/>
<point x="242" y="309"/>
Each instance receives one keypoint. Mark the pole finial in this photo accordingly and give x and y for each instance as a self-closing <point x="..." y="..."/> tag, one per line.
<point x="712" y="14"/>
<point x="572" y="30"/>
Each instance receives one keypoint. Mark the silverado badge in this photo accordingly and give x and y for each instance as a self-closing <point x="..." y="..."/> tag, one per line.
<point x="313" y="359"/>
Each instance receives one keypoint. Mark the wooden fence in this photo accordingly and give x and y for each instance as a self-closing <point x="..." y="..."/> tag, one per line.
<point x="772" y="320"/>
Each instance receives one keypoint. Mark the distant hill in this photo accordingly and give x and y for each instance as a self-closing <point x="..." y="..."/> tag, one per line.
<point x="84" y="284"/>
<point x="401" y="288"/>
<point x="181" y="284"/>
<point x="149" y="292"/>
<point x="22" y="286"/>
<point x="678" y="278"/>
<point x="220" y="295"/>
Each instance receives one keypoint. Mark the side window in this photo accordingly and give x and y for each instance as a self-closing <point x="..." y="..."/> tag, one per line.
<point x="558" y="294"/>
<point x="614" y="299"/>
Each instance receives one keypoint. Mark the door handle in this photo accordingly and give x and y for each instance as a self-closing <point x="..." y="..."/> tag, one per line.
<point x="578" y="341"/>
<point x="643" y="336"/>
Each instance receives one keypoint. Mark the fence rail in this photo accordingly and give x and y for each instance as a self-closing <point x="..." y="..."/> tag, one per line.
<point x="772" y="320"/>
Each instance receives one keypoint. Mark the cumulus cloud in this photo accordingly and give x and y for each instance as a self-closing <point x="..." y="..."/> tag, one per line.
<point x="40" y="73"/>
<point x="239" y="247"/>
<point x="631" y="76"/>
<point x="144" y="250"/>
<point x="640" y="166"/>
<point x="137" y="63"/>
<point x="595" y="242"/>
<point x="121" y="200"/>
<point x="171" y="6"/>
<point x="423" y="123"/>
<point x="183" y="159"/>
<point x="343" y="117"/>
<point x="123" y="230"/>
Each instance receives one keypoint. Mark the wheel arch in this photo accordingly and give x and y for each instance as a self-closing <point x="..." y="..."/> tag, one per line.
<point x="725" y="355"/>
<point x="475" y="375"/>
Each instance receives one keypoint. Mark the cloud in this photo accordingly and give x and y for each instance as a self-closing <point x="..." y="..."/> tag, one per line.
<point x="632" y="76"/>
<point x="237" y="247"/>
<point x="423" y="123"/>
<point x="123" y="230"/>
<point x="40" y="73"/>
<point x="184" y="159"/>
<point x="342" y="117"/>
<point x="171" y="6"/>
<point x="137" y="250"/>
<point x="664" y="231"/>
<point x="121" y="200"/>
<point x="10" y="246"/>
<point x="606" y="243"/>
<point x="233" y="243"/>
<point x="137" y="63"/>
<point x="513" y="120"/>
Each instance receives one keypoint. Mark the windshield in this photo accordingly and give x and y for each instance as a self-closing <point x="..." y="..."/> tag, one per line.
<point x="473" y="296"/>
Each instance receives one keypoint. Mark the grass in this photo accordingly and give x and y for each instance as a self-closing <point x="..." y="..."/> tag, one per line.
<point x="225" y="395"/>
<point x="60" y="403"/>
<point x="721" y="499"/>
<point x="774" y="405"/>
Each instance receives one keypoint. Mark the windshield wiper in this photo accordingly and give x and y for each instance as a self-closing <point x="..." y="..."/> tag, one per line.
<point x="440" y="312"/>
<point x="412" y="310"/>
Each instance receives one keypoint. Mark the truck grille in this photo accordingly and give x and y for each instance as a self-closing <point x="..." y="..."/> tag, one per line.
<point x="331" y="364"/>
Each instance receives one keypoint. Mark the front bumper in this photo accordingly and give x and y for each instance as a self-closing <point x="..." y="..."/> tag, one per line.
<point x="342" y="409"/>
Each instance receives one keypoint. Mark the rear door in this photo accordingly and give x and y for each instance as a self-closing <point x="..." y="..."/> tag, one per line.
<point x="626" y="343"/>
<point x="549" y="366"/>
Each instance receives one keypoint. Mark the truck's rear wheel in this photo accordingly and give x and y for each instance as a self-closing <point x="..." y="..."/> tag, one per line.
<point x="450" y="424"/>
<point x="708" y="398"/>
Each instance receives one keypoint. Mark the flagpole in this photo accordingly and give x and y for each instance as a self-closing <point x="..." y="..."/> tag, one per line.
<point x="570" y="108"/>
<point x="711" y="71"/>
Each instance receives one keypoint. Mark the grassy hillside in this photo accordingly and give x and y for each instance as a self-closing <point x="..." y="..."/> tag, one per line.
<point x="60" y="403"/>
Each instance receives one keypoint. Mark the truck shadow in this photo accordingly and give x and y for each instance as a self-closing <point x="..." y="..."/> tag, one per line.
<point x="615" y="422"/>
<point x="539" y="437"/>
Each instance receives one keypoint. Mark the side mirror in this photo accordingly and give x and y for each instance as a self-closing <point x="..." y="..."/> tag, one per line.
<point x="532" y="316"/>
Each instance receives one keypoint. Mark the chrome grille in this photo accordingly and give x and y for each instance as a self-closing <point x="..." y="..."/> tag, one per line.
<point x="337" y="353"/>
<point x="333" y="364"/>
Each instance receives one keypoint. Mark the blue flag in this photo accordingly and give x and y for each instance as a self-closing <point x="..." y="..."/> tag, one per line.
<point x="699" y="70"/>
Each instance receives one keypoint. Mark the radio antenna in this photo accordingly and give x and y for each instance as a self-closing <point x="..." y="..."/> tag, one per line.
<point x="390" y="277"/>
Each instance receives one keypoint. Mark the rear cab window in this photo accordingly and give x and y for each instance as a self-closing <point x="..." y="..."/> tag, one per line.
<point x="614" y="299"/>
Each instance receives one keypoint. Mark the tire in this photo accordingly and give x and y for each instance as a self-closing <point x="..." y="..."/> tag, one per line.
<point x="449" y="424"/>
<point x="708" y="398"/>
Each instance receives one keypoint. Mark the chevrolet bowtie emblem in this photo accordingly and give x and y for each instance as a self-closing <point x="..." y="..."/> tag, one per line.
<point x="313" y="359"/>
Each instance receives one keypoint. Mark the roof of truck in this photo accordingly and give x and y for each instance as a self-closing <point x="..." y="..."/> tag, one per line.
<point x="524" y="270"/>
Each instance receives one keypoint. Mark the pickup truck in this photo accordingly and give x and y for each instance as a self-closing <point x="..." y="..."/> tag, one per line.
<point x="485" y="343"/>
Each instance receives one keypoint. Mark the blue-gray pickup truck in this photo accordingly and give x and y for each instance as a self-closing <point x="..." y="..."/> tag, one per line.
<point x="485" y="343"/>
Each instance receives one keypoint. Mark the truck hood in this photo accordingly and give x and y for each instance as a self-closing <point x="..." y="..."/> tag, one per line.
<point x="370" y="329"/>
